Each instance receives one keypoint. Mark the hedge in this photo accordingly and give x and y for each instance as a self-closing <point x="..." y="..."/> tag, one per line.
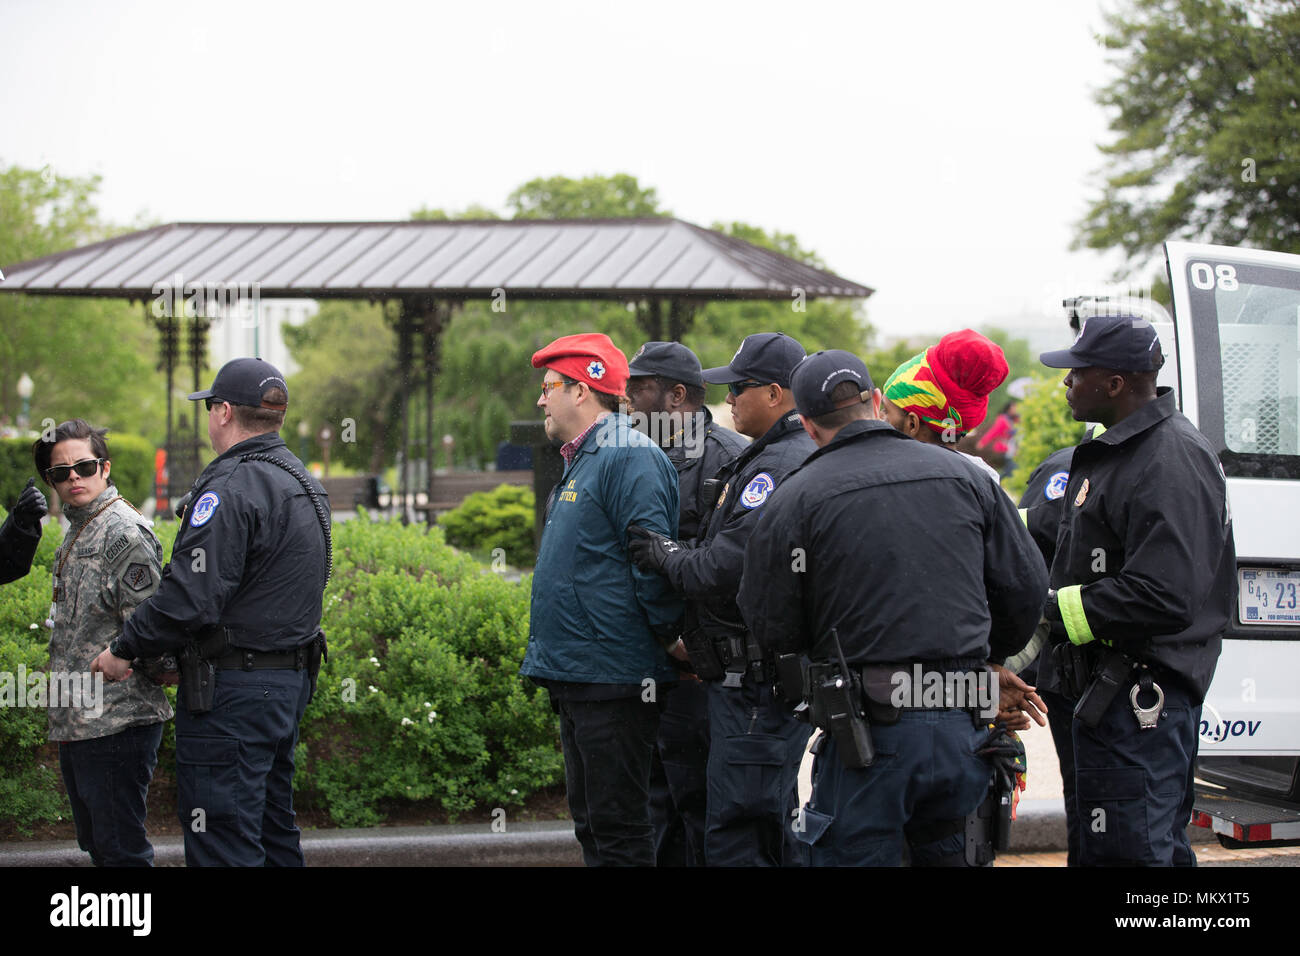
<point x="132" y="467"/>
<point x="420" y="699"/>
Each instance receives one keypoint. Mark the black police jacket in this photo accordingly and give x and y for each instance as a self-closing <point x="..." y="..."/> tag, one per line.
<point x="1042" y="501"/>
<point x="250" y="556"/>
<point x="17" y="548"/>
<point x="1145" y="545"/>
<point x="907" y="550"/>
<point x="718" y="447"/>
<point x="708" y="573"/>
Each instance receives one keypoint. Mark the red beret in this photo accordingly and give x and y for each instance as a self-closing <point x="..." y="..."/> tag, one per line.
<point x="589" y="357"/>
<point x="967" y="366"/>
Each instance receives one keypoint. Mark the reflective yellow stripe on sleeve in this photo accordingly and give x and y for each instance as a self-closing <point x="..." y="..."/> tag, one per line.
<point x="1070" y="601"/>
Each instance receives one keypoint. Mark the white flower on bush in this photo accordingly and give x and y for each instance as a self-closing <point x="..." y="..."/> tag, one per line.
<point x="33" y="626"/>
<point x="374" y="689"/>
<point x="407" y="722"/>
<point x="513" y="791"/>
<point x="427" y="704"/>
<point x="375" y="661"/>
<point x="433" y="715"/>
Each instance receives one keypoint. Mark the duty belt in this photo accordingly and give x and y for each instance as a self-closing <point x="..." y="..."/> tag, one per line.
<point x="244" y="659"/>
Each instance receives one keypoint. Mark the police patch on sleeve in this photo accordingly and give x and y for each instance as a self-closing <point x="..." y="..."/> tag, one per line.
<point x="136" y="577"/>
<point x="757" y="491"/>
<point x="203" y="509"/>
<point x="1056" y="485"/>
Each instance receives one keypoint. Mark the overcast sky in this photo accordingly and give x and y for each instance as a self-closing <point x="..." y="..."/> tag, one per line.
<point x="939" y="152"/>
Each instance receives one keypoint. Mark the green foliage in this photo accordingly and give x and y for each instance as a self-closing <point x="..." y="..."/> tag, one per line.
<point x="594" y="197"/>
<point x="88" y="358"/>
<point x="437" y="637"/>
<point x="421" y="698"/>
<point x="1207" y="145"/>
<point x="132" y="466"/>
<point x="488" y="520"/>
<point x="29" y="776"/>
<point x="1046" y="425"/>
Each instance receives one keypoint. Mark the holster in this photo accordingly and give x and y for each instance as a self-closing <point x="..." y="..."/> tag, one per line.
<point x="1113" y="671"/>
<point x="317" y="651"/>
<point x="198" y="673"/>
<point x="699" y="648"/>
<point x="1075" y="665"/>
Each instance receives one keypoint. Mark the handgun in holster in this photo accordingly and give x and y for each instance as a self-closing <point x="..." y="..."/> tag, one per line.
<point x="731" y="650"/>
<point x="1075" y="665"/>
<point x="198" y="672"/>
<point x="704" y="659"/>
<point x="1113" y="672"/>
<point x="317" y="651"/>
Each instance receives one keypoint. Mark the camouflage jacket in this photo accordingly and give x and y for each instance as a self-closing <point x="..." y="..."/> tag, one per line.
<point x="116" y="563"/>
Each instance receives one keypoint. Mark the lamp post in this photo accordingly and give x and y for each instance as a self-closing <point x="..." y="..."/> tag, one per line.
<point x="25" y="388"/>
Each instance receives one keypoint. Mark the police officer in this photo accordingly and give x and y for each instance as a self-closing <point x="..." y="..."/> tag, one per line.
<point x="242" y="596"/>
<point x="666" y="390"/>
<point x="21" y="533"/>
<point x="755" y="746"/>
<point x="1143" y="583"/>
<point x="889" y="563"/>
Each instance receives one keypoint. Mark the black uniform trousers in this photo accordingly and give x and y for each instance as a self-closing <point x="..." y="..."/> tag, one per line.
<point x="234" y="770"/>
<point x="925" y="779"/>
<point x="607" y="749"/>
<point x="1134" y="788"/>
<point x="755" y="750"/>
<point x="679" y="776"/>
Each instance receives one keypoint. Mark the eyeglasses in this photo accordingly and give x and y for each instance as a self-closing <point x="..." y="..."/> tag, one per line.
<point x="60" y="473"/>
<point x="548" y="387"/>
<point x="209" y="402"/>
<point x="735" y="388"/>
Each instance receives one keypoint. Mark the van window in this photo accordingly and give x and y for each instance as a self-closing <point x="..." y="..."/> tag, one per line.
<point x="1256" y="310"/>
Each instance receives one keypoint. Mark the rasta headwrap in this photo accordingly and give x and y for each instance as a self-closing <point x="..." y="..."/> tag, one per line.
<point x="947" y="385"/>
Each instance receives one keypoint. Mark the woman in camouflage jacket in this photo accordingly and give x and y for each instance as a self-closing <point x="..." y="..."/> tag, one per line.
<point x="108" y="733"/>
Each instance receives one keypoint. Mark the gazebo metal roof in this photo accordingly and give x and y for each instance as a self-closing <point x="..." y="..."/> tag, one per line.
<point x="456" y="259"/>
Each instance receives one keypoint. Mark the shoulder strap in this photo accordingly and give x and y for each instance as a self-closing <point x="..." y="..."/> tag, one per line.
<point x="321" y="516"/>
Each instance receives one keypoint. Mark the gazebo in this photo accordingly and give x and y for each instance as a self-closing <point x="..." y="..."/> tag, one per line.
<point x="666" y="268"/>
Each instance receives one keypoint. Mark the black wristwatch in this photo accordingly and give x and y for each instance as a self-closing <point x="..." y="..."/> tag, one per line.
<point x="1052" y="609"/>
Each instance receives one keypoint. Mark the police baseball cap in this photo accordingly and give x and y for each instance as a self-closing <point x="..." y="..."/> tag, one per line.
<point x="764" y="357"/>
<point x="670" y="360"/>
<point x="818" y="375"/>
<point x="1127" y="343"/>
<point x="243" y="381"/>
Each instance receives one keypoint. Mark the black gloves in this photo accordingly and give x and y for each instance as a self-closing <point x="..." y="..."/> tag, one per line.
<point x="30" y="509"/>
<point x="649" y="551"/>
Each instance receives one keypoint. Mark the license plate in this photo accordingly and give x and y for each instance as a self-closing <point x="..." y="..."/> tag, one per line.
<point x="1267" y="596"/>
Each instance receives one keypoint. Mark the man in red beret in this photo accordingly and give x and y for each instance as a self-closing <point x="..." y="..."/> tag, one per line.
<point x="599" y="626"/>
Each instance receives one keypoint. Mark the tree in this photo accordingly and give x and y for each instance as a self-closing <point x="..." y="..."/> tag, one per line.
<point x="594" y="197"/>
<point x="1046" y="425"/>
<point x="1208" y="144"/>
<point x="89" y="358"/>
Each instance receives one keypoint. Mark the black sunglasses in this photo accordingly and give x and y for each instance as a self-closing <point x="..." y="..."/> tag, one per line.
<point x="59" y="473"/>
<point x="735" y="388"/>
<point x="209" y="402"/>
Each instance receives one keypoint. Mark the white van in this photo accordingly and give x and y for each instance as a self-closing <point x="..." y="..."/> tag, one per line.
<point x="1237" y="336"/>
<point x="1234" y="363"/>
